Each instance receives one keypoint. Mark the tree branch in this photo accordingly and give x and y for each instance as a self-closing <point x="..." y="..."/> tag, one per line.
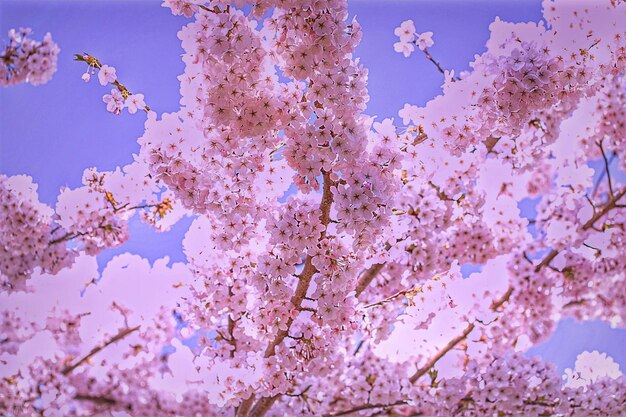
<point x="366" y="407"/>
<point x="606" y="168"/>
<point x="452" y="343"/>
<point x="309" y="270"/>
<point x="601" y="177"/>
<point x="263" y="405"/>
<point x="119" y="336"/>
<point x="546" y="261"/>
<point x="92" y="61"/>
<point x="95" y="399"/>
<point x="367" y="277"/>
<point x="611" y="204"/>
<point x="431" y="59"/>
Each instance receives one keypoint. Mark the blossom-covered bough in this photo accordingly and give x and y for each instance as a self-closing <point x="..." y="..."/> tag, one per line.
<point x="323" y="273"/>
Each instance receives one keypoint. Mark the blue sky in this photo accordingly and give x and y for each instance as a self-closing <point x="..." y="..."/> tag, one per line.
<point x="53" y="132"/>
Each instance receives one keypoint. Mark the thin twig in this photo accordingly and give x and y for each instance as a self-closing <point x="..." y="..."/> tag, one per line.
<point x="92" y="61"/>
<point x="606" y="168"/>
<point x="596" y="186"/>
<point x="119" y="336"/>
<point x="394" y="296"/>
<point x="431" y="59"/>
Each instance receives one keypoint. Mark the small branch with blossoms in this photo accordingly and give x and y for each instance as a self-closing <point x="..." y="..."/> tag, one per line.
<point x="610" y="205"/>
<point x="495" y="305"/>
<point x="409" y="39"/>
<point x="409" y="294"/>
<point x="160" y="209"/>
<point x="119" y="98"/>
<point x="119" y="336"/>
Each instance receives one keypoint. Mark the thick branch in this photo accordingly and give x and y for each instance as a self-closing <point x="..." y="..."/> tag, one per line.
<point x="119" y="336"/>
<point x="366" y="407"/>
<point x="309" y="270"/>
<point x="95" y="399"/>
<point x="263" y="405"/>
<point x="244" y="408"/>
<point x="367" y="277"/>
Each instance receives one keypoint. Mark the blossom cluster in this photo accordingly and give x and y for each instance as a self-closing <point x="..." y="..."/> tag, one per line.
<point x="409" y="37"/>
<point x="120" y="98"/>
<point x="27" y="233"/>
<point x="25" y="60"/>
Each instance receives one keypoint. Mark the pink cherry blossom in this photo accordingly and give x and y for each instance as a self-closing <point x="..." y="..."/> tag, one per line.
<point x="106" y="74"/>
<point x="404" y="47"/>
<point x="424" y="40"/>
<point x="114" y="101"/>
<point x="406" y="31"/>
<point x="135" y="102"/>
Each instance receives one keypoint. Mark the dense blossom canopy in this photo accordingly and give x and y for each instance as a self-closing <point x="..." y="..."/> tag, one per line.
<point x="323" y="265"/>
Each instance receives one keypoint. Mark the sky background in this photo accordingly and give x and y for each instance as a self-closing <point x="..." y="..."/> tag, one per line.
<point x="53" y="132"/>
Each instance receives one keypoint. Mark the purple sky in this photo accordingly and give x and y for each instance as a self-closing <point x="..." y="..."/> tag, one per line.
<point x="53" y="132"/>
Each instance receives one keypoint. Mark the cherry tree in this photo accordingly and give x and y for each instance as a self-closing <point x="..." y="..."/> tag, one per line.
<point x="323" y="265"/>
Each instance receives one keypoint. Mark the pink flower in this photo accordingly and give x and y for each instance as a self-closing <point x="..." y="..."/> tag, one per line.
<point x="107" y="75"/>
<point x="425" y="40"/>
<point x="405" y="48"/>
<point x="407" y="113"/>
<point x="405" y="31"/>
<point x="86" y="76"/>
<point x="114" y="101"/>
<point x="135" y="102"/>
